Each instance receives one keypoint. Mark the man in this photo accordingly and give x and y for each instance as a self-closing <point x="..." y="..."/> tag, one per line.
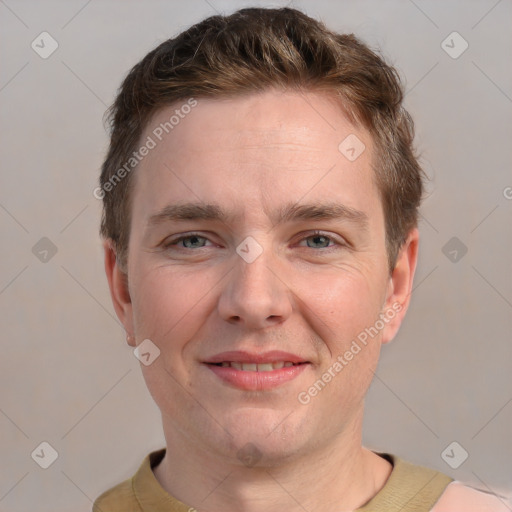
<point x="260" y="208"/>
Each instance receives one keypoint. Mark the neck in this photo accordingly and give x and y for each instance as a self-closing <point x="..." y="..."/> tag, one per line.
<point x="339" y="476"/>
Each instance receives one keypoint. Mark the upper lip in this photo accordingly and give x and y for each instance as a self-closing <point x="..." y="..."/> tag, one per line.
<point x="237" y="356"/>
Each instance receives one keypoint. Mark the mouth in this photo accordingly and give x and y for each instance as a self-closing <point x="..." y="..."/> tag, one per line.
<point x="257" y="367"/>
<point x="256" y="372"/>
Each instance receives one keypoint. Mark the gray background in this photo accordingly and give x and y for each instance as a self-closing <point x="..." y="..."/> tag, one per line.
<point x="67" y="375"/>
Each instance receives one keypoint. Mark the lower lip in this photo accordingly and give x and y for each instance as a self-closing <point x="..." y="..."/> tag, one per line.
<point x="257" y="381"/>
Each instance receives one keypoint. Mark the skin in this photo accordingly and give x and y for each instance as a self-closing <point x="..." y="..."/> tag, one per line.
<point x="304" y="294"/>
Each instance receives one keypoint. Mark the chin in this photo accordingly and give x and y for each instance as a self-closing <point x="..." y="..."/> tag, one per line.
<point x="256" y="437"/>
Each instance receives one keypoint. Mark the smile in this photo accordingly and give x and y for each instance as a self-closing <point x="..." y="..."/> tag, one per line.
<point x="256" y="367"/>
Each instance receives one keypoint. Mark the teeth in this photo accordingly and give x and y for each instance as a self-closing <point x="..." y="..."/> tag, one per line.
<point x="254" y="367"/>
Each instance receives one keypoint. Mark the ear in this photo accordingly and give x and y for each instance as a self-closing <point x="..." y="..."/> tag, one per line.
<point x="118" y="284"/>
<point x="400" y="286"/>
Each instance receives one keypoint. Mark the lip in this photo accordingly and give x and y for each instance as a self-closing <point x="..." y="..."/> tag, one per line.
<point x="254" y="380"/>
<point x="239" y="356"/>
<point x="257" y="381"/>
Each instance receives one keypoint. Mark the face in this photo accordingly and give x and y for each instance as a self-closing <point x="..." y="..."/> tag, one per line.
<point x="257" y="265"/>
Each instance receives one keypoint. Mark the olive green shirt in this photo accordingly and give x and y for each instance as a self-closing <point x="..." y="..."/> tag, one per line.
<point x="409" y="488"/>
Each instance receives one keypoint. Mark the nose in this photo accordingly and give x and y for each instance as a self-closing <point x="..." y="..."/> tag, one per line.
<point x="255" y="296"/>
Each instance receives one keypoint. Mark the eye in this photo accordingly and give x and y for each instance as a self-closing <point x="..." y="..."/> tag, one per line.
<point x="191" y="241"/>
<point x="318" y="241"/>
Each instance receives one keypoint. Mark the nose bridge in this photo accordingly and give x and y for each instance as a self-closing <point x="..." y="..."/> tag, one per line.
<point x="254" y="295"/>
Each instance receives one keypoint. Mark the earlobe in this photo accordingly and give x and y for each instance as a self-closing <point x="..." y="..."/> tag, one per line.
<point x="119" y="292"/>
<point x="400" y="285"/>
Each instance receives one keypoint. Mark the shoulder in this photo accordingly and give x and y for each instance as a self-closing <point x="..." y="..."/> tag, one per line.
<point x="458" y="496"/>
<point x="419" y="489"/>
<point x="120" y="498"/>
<point x="137" y="493"/>
<point x="409" y="487"/>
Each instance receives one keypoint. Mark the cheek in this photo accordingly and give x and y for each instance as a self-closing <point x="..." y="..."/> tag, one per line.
<point x="169" y="309"/>
<point x="169" y="305"/>
<point x="344" y="302"/>
<point x="342" y="310"/>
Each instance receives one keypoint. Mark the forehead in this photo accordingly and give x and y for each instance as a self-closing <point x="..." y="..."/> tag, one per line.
<point x="259" y="147"/>
<point x="291" y="120"/>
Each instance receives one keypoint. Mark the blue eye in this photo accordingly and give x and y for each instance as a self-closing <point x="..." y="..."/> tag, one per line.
<point x="192" y="241"/>
<point x="320" y="240"/>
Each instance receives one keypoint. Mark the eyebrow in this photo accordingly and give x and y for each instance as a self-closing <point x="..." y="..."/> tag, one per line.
<point x="288" y="213"/>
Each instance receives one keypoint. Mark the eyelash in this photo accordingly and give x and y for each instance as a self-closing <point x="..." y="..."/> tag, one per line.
<point x="176" y="241"/>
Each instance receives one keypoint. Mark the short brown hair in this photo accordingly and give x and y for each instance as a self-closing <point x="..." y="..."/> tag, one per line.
<point x="255" y="49"/>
